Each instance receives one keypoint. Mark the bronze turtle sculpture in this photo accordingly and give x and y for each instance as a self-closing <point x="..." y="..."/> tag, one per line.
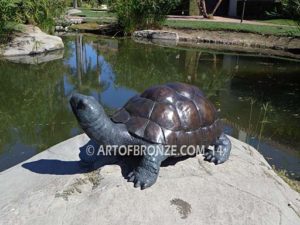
<point x="173" y="114"/>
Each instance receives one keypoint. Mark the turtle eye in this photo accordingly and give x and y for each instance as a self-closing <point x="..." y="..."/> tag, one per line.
<point x="81" y="105"/>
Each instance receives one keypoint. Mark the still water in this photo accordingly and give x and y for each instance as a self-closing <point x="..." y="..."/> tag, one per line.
<point x="258" y="97"/>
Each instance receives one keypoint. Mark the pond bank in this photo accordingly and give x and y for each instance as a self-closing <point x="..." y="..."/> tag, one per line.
<point x="29" y="42"/>
<point x="233" y="41"/>
<point x="54" y="184"/>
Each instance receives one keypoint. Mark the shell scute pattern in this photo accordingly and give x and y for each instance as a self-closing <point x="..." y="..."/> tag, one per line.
<point x="172" y="114"/>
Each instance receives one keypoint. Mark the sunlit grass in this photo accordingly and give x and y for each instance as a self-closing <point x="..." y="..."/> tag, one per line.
<point x="94" y="13"/>
<point x="247" y="28"/>
<point x="294" y="184"/>
<point x="287" y="22"/>
<point x="94" y="16"/>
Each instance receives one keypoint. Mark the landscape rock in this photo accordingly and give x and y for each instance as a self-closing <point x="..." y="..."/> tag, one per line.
<point x="156" y="34"/>
<point x="52" y="188"/>
<point x="59" y="28"/>
<point x="31" y="41"/>
<point x="270" y="45"/>
<point x="37" y="58"/>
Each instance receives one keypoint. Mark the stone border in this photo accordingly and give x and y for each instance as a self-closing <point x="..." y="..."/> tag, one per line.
<point x="269" y="45"/>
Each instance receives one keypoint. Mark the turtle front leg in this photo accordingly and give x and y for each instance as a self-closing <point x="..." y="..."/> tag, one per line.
<point x="146" y="173"/>
<point x="221" y="151"/>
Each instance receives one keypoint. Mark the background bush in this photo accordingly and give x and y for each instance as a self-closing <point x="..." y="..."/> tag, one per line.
<point x="141" y="14"/>
<point x="37" y="12"/>
<point x="291" y="9"/>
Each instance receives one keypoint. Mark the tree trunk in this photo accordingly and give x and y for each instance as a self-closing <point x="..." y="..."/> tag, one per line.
<point x="202" y="8"/>
<point x="216" y="7"/>
<point x="79" y="59"/>
<point x="75" y="6"/>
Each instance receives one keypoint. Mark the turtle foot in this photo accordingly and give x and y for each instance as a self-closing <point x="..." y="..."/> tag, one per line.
<point x="144" y="176"/>
<point x="221" y="151"/>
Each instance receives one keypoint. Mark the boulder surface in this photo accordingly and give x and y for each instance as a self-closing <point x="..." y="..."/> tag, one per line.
<point x="156" y="34"/>
<point x="31" y="40"/>
<point x="52" y="188"/>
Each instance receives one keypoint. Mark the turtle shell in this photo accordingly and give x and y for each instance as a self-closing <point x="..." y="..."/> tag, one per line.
<point x="171" y="114"/>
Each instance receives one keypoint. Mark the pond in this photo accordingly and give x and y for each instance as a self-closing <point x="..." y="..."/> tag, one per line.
<point x="258" y="97"/>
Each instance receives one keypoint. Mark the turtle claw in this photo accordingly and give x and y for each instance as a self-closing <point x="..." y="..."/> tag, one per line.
<point x="137" y="184"/>
<point x="130" y="174"/>
<point x="221" y="151"/>
<point x="141" y="177"/>
<point x="210" y="156"/>
<point x="144" y="186"/>
<point x="131" y="179"/>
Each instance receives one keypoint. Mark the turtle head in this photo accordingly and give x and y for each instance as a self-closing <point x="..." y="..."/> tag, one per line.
<point x="86" y="109"/>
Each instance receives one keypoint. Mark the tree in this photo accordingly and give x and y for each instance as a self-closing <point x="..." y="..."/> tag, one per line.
<point x="202" y="8"/>
<point x="203" y="11"/>
<point x="75" y="5"/>
<point x="216" y="7"/>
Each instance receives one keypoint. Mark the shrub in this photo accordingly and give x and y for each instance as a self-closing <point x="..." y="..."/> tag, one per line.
<point x="140" y="14"/>
<point x="291" y="9"/>
<point x="38" y="12"/>
<point x="7" y="9"/>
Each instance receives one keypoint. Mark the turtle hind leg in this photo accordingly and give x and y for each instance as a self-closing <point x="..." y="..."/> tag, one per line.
<point x="146" y="173"/>
<point x="221" y="151"/>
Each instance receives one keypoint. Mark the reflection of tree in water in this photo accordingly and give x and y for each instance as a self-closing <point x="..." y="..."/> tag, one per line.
<point x="141" y="66"/>
<point x="33" y="104"/>
<point x="268" y="81"/>
<point x="86" y="74"/>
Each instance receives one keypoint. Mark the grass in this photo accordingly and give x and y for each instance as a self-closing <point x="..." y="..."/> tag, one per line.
<point x="86" y="26"/>
<point x="94" y="16"/>
<point x="247" y="28"/>
<point x="287" y="22"/>
<point x="294" y="184"/>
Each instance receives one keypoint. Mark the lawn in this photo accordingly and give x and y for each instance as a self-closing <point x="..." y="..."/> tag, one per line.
<point x="96" y="16"/>
<point x="287" y="22"/>
<point x="247" y="28"/>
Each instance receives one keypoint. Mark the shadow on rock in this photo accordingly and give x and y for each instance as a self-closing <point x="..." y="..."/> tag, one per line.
<point x="89" y="160"/>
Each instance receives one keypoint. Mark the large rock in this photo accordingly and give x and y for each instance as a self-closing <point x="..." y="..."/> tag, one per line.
<point x="51" y="188"/>
<point x="37" y="58"/>
<point x="156" y="34"/>
<point x="31" y="41"/>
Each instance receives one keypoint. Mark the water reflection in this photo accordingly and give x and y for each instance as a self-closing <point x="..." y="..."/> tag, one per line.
<point x="34" y="111"/>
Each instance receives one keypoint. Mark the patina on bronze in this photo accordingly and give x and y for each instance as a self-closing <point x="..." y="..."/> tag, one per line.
<point x="171" y="114"/>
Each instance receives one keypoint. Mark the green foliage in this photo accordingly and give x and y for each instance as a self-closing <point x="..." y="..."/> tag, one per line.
<point x="7" y="18"/>
<point x="140" y="14"/>
<point x="37" y="12"/>
<point x="291" y="9"/>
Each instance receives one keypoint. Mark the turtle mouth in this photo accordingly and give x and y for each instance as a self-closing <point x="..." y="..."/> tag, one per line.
<point x="77" y="101"/>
